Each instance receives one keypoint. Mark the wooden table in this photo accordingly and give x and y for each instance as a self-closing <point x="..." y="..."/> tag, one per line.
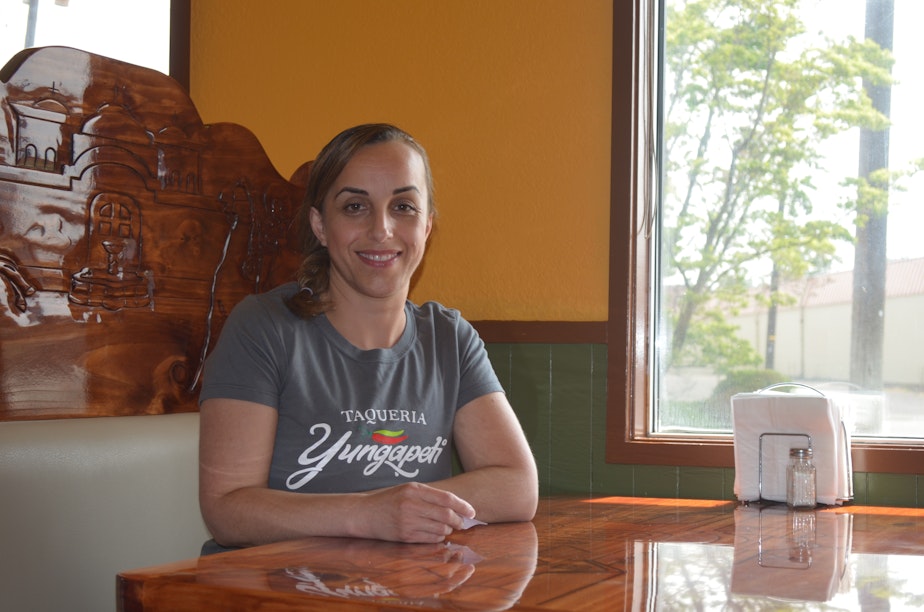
<point x="577" y="554"/>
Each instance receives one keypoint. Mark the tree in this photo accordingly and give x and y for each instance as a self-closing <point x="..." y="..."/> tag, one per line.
<point x="747" y="104"/>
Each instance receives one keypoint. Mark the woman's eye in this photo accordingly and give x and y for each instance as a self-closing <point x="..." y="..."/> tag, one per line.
<point x="352" y="207"/>
<point x="406" y="207"/>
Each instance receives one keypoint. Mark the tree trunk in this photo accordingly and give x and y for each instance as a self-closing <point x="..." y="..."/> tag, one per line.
<point x="868" y="315"/>
<point x="770" y="353"/>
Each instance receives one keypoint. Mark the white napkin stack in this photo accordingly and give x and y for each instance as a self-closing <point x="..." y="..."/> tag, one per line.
<point x="767" y="424"/>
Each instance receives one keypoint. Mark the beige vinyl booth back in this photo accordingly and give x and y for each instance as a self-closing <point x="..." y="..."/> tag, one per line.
<point x="83" y="499"/>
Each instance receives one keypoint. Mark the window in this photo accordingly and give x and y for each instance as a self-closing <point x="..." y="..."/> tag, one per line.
<point x="751" y="142"/>
<point x="150" y="33"/>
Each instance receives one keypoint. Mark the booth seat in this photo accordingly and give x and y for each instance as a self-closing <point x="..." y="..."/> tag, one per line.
<point x="83" y="499"/>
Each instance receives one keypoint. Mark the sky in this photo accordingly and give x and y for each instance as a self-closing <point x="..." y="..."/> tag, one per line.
<point x="136" y="31"/>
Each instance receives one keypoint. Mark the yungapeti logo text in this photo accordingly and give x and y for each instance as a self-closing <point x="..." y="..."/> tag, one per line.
<point x="387" y="448"/>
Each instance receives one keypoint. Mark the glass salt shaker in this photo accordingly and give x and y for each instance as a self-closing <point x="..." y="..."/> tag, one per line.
<point x="800" y="479"/>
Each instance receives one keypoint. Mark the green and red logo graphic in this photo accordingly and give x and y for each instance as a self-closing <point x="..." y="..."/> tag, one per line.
<point x="386" y="436"/>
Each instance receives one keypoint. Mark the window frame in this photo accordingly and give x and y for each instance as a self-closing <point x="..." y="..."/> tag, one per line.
<point x="632" y="210"/>
<point x="179" y="41"/>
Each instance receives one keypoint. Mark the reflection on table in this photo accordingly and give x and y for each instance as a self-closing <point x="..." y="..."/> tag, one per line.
<point x="387" y="573"/>
<point x="772" y="542"/>
<point x="599" y="554"/>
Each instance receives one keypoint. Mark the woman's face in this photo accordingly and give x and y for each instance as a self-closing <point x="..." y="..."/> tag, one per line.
<point x="375" y="223"/>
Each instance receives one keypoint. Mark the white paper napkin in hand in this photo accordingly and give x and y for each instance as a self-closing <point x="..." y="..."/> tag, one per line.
<point x="470" y="522"/>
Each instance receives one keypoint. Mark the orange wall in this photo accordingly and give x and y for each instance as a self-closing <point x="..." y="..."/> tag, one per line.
<point x="510" y="97"/>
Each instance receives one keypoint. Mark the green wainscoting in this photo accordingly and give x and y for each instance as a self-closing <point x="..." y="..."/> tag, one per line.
<point x="559" y="394"/>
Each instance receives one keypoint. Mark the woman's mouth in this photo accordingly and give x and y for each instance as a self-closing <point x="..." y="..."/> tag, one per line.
<point x="378" y="258"/>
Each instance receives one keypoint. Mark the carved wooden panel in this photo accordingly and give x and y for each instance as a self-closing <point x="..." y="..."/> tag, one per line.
<point x="128" y="230"/>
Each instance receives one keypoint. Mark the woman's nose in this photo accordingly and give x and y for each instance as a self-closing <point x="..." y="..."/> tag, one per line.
<point x="381" y="226"/>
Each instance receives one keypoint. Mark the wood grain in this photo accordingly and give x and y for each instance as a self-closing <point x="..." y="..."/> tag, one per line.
<point x="576" y="555"/>
<point x="128" y="230"/>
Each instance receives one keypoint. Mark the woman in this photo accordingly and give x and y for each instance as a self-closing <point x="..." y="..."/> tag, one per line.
<point x="331" y="406"/>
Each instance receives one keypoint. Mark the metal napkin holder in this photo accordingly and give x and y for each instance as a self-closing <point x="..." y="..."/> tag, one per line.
<point x="760" y="455"/>
<point x="760" y="443"/>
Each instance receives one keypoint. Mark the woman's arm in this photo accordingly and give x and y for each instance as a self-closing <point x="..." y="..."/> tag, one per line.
<point x="500" y="478"/>
<point x="235" y="450"/>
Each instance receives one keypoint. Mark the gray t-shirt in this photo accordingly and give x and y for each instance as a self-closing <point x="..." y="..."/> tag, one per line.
<point x="349" y="419"/>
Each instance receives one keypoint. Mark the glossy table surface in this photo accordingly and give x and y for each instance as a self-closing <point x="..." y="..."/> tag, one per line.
<point x="577" y="554"/>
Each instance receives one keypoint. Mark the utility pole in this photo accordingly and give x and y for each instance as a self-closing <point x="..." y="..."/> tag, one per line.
<point x="30" y="24"/>
<point x="869" y="269"/>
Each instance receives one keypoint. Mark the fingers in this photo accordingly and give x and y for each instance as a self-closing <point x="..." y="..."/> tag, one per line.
<point x="424" y="514"/>
<point x="446" y="500"/>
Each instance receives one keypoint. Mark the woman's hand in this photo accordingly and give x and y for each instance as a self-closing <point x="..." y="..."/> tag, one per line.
<point x="413" y="512"/>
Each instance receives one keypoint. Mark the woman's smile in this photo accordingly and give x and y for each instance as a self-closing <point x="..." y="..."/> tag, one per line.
<point x="379" y="259"/>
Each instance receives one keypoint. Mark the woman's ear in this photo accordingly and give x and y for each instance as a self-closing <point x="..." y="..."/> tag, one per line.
<point x="317" y="225"/>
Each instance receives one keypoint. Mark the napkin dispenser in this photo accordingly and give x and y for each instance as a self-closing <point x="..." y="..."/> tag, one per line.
<point x="767" y="423"/>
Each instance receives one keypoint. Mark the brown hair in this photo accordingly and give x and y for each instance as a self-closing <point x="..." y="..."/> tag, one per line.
<point x="314" y="272"/>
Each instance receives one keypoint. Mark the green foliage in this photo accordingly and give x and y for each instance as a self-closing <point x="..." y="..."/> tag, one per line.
<point x="738" y="381"/>
<point x="872" y="192"/>
<point x="712" y="341"/>
<point x="748" y="102"/>
<point x="745" y="381"/>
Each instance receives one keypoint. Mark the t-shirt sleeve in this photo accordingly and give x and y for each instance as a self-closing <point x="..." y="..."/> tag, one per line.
<point x="477" y="376"/>
<point x="246" y="363"/>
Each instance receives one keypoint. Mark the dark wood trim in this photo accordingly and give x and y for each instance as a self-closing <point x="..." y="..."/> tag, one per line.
<point x="887" y="459"/>
<point x="627" y="341"/>
<point x="866" y="458"/>
<point x="179" y="41"/>
<point x="542" y="332"/>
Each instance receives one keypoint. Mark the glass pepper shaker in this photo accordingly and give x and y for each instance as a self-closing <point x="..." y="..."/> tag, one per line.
<point x="800" y="479"/>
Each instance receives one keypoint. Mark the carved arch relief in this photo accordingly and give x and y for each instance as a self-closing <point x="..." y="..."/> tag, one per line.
<point x="111" y="278"/>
